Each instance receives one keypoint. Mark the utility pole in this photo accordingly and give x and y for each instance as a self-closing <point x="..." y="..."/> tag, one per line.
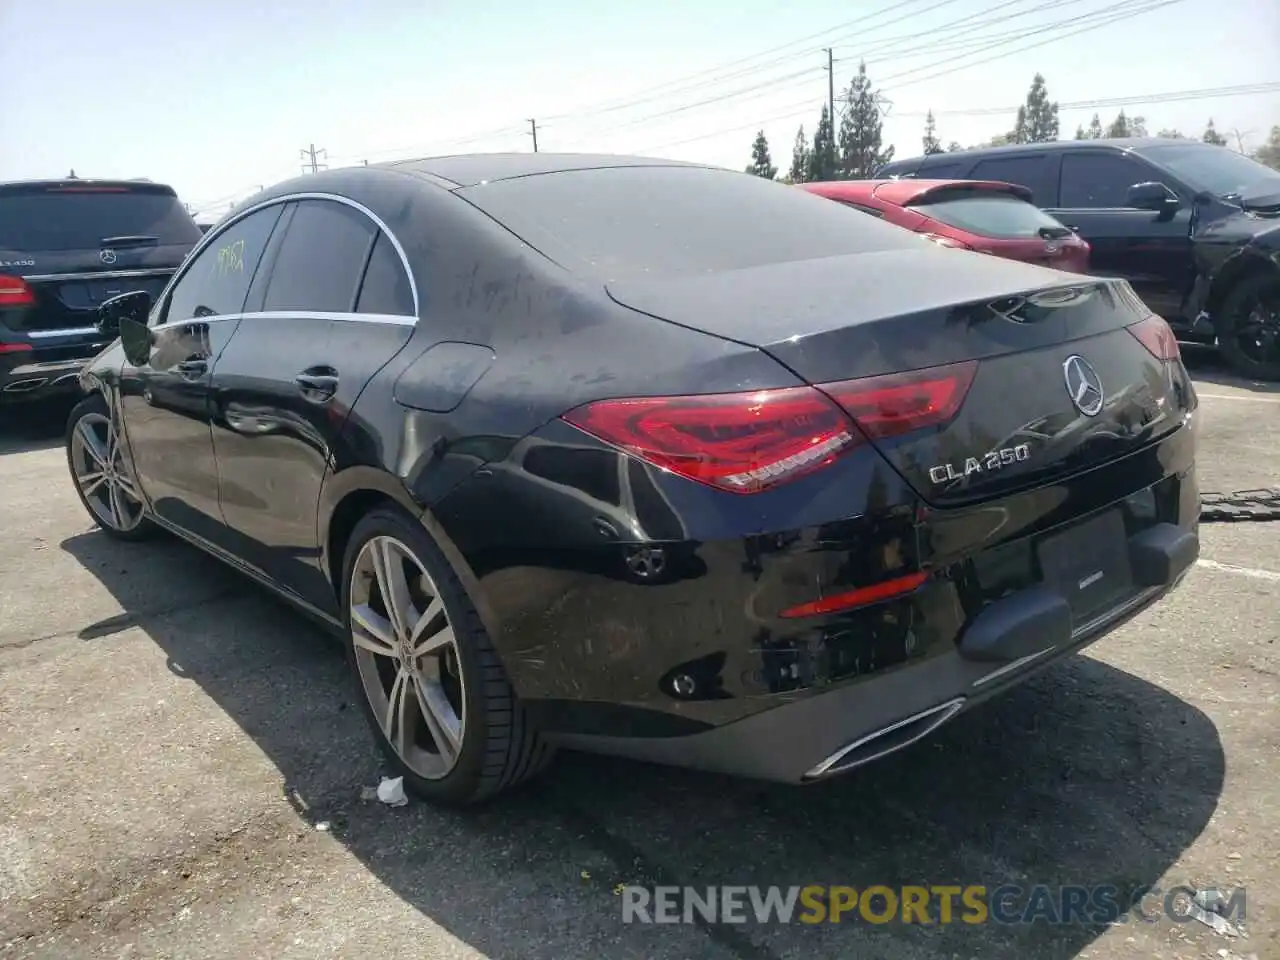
<point x="533" y="132"/>
<point x="311" y="155"/>
<point x="831" y="90"/>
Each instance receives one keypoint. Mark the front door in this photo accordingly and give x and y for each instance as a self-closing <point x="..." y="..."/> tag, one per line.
<point x="1151" y="250"/>
<point x="331" y="308"/>
<point x="165" y="401"/>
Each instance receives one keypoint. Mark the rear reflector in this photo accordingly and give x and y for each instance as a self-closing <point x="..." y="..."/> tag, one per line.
<point x="748" y="442"/>
<point x="1157" y="336"/>
<point x="898" y="403"/>
<point x="861" y="597"/>
<point x="14" y="292"/>
<point x="15" y="348"/>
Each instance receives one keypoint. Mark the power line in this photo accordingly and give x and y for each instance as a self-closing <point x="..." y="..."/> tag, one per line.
<point x="1204" y="93"/>
<point x="798" y="110"/>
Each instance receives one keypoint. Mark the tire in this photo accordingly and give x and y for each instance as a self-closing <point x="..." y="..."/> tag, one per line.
<point x="114" y="502"/>
<point x="496" y="747"/>
<point x="1258" y="290"/>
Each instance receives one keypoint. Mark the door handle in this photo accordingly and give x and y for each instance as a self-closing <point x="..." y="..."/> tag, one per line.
<point x="318" y="384"/>
<point x="193" y="368"/>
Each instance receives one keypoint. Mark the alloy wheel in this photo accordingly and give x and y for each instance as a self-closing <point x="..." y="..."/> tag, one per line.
<point x="1258" y="330"/>
<point x="407" y="657"/>
<point x="104" y="478"/>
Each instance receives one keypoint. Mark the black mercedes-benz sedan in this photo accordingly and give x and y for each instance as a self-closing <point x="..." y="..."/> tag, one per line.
<point x="645" y="458"/>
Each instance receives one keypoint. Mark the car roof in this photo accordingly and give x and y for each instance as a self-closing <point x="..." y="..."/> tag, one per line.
<point x="71" y="185"/>
<point x="904" y="192"/>
<point x="465" y="170"/>
<point x="1133" y="144"/>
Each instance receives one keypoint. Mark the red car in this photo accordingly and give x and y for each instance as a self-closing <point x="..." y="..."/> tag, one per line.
<point x="983" y="215"/>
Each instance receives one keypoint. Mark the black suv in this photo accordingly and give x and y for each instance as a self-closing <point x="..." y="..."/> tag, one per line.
<point x="65" y="246"/>
<point x="1193" y="227"/>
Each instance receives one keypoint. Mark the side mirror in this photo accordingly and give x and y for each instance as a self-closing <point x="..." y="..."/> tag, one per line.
<point x="135" y="306"/>
<point x="1151" y="196"/>
<point x="137" y="340"/>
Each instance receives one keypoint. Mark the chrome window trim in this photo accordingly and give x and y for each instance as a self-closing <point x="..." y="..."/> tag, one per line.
<point x="209" y="238"/>
<point x="389" y="319"/>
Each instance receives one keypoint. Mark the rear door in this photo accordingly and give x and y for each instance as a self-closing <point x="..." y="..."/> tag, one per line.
<point x="1151" y="250"/>
<point x="330" y="308"/>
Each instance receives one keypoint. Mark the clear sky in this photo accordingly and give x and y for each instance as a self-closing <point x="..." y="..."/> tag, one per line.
<point x="219" y="96"/>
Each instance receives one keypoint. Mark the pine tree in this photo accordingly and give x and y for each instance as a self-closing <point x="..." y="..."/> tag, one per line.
<point x="862" y="150"/>
<point x="799" y="158"/>
<point x="822" y="155"/>
<point x="1119" y="126"/>
<point x="1211" y="135"/>
<point x="1019" y="133"/>
<point x="1080" y="134"/>
<point x="1269" y="152"/>
<point x="930" y="141"/>
<point x="761" y="162"/>
<point x="1041" y="118"/>
<point x="1095" y="128"/>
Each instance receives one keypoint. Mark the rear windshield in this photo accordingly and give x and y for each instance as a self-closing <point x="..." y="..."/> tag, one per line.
<point x="636" y="222"/>
<point x="995" y="215"/>
<point x="46" y="219"/>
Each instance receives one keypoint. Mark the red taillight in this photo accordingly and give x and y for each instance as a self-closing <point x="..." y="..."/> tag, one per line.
<point x="860" y="597"/>
<point x="742" y="442"/>
<point x="14" y="292"/>
<point x="1155" y="334"/>
<point x="748" y="442"/>
<point x="15" y="348"/>
<point x="898" y="403"/>
<point x="942" y="241"/>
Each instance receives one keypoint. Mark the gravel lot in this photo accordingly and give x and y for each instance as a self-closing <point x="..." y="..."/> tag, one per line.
<point x="181" y="771"/>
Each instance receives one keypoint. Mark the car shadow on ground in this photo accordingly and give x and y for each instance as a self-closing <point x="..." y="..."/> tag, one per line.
<point x="26" y="427"/>
<point x="1210" y="369"/>
<point x="1084" y="775"/>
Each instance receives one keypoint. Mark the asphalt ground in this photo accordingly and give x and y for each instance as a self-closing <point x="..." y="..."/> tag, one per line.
<point x="183" y="773"/>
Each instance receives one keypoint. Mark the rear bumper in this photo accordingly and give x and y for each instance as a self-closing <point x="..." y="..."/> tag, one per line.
<point x="825" y="735"/>
<point x="51" y="367"/>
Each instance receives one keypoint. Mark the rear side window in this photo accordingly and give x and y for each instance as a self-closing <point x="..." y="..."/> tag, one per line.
<point x="81" y="218"/>
<point x="386" y="286"/>
<point x="1101" y="179"/>
<point x="218" y="278"/>
<point x="650" y="222"/>
<point x="943" y="171"/>
<point x="1032" y="172"/>
<point x="994" y="215"/>
<point x="321" y="259"/>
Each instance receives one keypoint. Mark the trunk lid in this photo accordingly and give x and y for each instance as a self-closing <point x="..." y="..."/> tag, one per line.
<point x="1012" y="327"/>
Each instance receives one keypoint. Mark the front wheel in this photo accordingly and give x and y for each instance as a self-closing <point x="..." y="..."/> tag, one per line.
<point x="435" y="693"/>
<point x="1249" y="327"/>
<point x="104" y="481"/>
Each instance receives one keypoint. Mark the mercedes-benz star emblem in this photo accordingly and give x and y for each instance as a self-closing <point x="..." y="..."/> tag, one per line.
<point x="107" y="256"/>
<point x="1083" y="385"/>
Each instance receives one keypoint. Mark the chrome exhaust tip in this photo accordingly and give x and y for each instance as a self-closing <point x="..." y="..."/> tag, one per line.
<point x="886" y="740"/>
<point x="25" y="386"/>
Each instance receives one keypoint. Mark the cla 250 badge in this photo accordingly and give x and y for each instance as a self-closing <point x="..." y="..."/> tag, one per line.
<point x="995" y="460"/>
